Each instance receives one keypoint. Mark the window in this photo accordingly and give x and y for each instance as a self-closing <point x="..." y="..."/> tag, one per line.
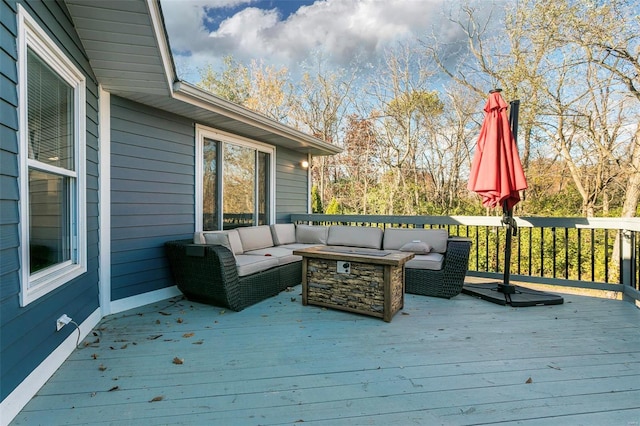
<point x="52" y="157"/>
<point x="234" y="181"/>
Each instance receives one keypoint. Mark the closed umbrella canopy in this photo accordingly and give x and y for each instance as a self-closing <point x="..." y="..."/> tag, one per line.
<point x="497" y="175"/>
<point x="496" y="170"/>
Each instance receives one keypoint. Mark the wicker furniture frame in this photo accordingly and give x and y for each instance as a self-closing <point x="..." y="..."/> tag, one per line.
<point x="446" y="282"/>
<point x="208" y="274"/>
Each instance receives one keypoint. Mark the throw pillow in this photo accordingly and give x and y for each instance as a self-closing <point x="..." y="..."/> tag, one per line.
<point x="417" y="247"/>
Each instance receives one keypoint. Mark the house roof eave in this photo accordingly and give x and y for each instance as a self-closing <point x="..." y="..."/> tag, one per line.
<point x="130" y="55"/>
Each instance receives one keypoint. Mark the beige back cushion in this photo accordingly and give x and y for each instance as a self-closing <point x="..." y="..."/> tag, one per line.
<point x="255" y="237"/>
<point x="311" y="234"/>
<point x="229" y="239"/>
<point x="356" y="236"/>
<point x="283" y="233"/>
<point x="395" y="238"/>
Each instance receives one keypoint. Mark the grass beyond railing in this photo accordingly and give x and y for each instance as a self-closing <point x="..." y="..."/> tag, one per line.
<point x="595" y="253"/>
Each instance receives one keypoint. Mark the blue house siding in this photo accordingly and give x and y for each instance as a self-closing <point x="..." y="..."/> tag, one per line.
<point x="291" y="184"/>
<point x="152" y="194"/>
<point x="9" y="196"/>
<point x="28" y="333"/>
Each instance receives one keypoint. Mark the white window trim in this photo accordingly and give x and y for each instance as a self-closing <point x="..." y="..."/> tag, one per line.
<point x="31" y="35"/>
<point x="203" y="132"/>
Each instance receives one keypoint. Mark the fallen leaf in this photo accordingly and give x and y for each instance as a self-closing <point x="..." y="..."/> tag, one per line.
<point x="529" y="380"/>
<point x="164" y="313"/>
<point x="102" y="367"/>
<point x="178" y="361"/>
<point x="179" y="320"/>
<point x="187" y="335"/>
<point x="157" y="398"/>
<point x="222" y="312"/>
<point x="115" y="388"/>
<point x="124" y="346"/>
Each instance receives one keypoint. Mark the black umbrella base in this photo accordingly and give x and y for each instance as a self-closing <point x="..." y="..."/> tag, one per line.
<point x="512" y="295"/>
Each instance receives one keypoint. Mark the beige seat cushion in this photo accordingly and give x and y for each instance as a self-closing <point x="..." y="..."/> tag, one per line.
<point x="355" y="236"/>
<point x="255" y="237"/>
<point x="433" y="261"/>
<point x="283" y="233"/>
<point x="395" y="238"/>
<point x="284" y="255"/>
<point x="248" y="264"/>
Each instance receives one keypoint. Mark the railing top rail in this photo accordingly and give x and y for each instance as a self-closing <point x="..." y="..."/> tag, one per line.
<point x="631" y="224"/>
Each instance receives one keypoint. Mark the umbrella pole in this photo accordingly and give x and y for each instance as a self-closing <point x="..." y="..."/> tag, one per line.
<point x="507" y="218"/>
<point x="507" y="213"/>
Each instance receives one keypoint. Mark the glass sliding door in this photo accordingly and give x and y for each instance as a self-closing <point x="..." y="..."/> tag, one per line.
<point x="263" y="188"/>
<point x="239" y="177"/>
<point x="235" y="184"/>
<point x="210" y="193"/>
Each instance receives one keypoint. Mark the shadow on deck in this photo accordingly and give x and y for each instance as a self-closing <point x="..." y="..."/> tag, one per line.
<point x="454" y="362"/>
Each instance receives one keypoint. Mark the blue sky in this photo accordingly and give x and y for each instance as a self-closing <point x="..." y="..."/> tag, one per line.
<point x="287" y="33"/>
<point x="215" y="15"/>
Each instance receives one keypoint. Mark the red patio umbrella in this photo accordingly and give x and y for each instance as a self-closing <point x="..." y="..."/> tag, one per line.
<point x="496" y="170"/>
<point x="497" y="176"/>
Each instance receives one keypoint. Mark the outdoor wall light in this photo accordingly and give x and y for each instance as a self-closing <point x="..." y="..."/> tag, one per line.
<point x="304" y="164"/>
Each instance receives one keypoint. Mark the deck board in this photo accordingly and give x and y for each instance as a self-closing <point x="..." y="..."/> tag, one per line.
<point x="454" y="362"/>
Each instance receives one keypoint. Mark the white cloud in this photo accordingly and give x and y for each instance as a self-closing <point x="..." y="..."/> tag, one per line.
<point x="340" y="29"/>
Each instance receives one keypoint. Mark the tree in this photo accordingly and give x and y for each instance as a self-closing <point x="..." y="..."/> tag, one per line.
<point x="360" y="160"/>
<point x="270" y="92"/>
<point x="232" y="83"/>
<point x="319" y="107"/>
<point x="610" y="35"/>
<point x="316" y="201"/>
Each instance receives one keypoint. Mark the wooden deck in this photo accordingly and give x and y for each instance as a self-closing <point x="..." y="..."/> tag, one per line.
<point x="453" y="362"/>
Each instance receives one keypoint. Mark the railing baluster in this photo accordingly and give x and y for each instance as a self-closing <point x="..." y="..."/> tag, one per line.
<point x="606" y="255"/>
<point x="579" y="254"/>
<point x="530" y="251"/>
<point x="566" y="253"/>
<point x="486" y="249"/>
<point x="593" y="255"/>
<point x="555" y="251"/>
<point x="542" y="252"/>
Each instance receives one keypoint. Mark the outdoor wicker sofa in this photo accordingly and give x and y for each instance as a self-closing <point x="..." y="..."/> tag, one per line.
<point x="240" y="267"/>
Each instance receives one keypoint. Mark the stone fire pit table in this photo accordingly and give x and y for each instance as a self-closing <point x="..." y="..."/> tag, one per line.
<point x="360" y="280"/>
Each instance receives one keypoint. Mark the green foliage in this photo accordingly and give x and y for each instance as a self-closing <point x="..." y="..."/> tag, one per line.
<point x="334" y="207"/>
<point x="316" y="200"/>
<point x="232" y="83"/>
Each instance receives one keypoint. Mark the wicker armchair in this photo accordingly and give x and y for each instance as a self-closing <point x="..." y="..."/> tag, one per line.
<point x="208" y="274"/>
<point x="446" y="282"/>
